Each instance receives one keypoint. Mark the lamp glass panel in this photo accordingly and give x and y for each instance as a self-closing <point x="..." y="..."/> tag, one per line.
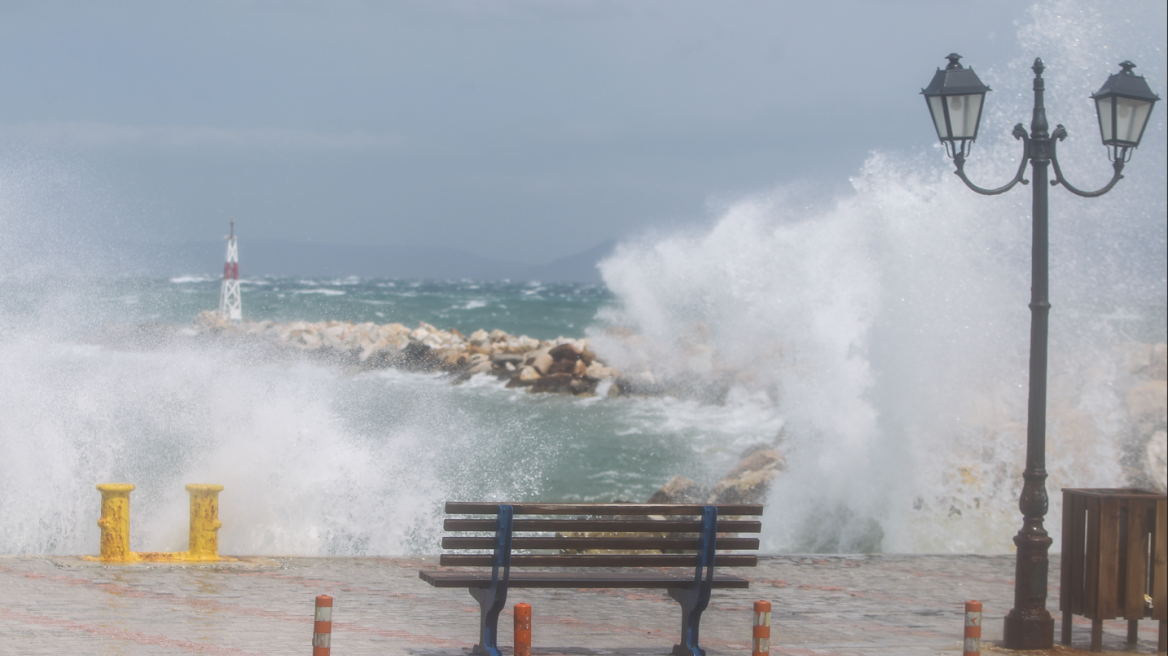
<point x="973" y="113"/>
<point x="1103" y="106"/>
<point x="1130" y="117"/>
<point x="937" y="109"/>
<point x="963" y="113"/>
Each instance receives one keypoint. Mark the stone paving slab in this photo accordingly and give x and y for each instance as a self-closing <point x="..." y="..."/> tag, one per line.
<point x="879" y="605"/>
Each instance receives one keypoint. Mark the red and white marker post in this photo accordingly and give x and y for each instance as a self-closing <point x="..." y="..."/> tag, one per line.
<point x="322" y="628"/>
<point x="972" y="629"/>
<point x="762" y="628"/>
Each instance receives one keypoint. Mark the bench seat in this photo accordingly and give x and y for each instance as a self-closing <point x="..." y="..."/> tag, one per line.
<point x="584" y="579"/>
<point x="672" y="547"/>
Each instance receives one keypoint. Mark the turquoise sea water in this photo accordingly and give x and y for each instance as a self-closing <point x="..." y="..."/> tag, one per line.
<point x="877" y="337"/>
<point x="539" y="310"/>
<point x="316" y="457"/>
<point x="322" y="458"/>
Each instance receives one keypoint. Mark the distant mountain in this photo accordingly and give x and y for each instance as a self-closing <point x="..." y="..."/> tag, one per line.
<point x="260" y="257"/>
<point x="580" y="267"/>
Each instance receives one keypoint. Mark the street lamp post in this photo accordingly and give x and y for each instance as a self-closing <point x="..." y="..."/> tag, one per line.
<point x="955" y="98"/>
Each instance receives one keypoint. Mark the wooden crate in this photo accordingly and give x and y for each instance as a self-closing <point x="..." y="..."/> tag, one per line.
<point x="1113" y="553"/>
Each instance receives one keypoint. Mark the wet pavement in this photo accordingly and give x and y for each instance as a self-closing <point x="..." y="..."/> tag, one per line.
<point x="903" y="605"/>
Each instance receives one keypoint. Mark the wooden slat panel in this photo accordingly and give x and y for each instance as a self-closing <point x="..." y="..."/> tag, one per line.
<point x="474" y="508"/>
<point x="625" y="579"/>
<point x="615" y="560"/>
<point x="1117" y="493"/>
<point x="1108" y="558"/>
<point x="1068" y="551"/>
<point x="603" y="525"/>
<point x="1160" y="565"/>
<point x="1078" y="554"/>
<point x="1091" y="575"/>
<point x="629" y="543"/>
<point x="1136" y="576"/>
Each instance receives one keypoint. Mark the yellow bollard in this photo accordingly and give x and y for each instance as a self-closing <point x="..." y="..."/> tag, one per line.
<point x="204" y="536"/>
<point x="203" y="543"/>
<point x="115" y="522"/>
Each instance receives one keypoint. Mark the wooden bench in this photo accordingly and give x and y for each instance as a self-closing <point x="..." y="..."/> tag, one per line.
<point x="595" y="546"/>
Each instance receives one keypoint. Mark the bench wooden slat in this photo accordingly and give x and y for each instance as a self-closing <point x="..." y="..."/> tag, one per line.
<point x="475" y="508"/>
<point x="621" y="543"/>
<point x="626" y="579"/>
<point x="597" y="560"/>
<point x="604" y="525"/>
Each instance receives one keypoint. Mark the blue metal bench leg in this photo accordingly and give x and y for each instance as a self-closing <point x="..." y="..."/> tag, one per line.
<point x="492" y="599"/>
<point x="491" y="602"/>
<point x="694" y="600"/>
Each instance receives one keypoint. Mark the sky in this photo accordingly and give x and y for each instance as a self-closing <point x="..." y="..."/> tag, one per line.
<point x="527" y="130"/>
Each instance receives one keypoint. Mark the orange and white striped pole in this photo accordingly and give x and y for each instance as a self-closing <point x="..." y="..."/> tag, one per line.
<point x="522" y="629"/>
<point x="322" y="628"/>
<point x="762" y="628"/>
<point x="972" y="629"/>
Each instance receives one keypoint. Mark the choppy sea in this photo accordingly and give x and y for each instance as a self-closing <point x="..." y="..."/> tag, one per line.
<point x="878" y="337"/>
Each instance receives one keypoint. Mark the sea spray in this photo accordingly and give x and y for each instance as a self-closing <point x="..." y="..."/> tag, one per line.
<point x="879" y="336"/>
<point x="304" y="472"/>
<point x="888" y="327"/>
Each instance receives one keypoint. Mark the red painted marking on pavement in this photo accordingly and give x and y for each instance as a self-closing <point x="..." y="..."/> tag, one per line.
<point x="948" y="575"/>
<point x="317" y="584"/>
<point x="822" y="588"/>
<point x="237" y="609"/>
<point x="801" y="651"/>
<point x="120" y="634"/>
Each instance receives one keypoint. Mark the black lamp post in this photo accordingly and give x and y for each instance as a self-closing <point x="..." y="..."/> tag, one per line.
<point x="955" y="98"/>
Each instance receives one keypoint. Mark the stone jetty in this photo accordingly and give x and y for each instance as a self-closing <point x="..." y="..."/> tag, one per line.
<point x="562" y="365"/>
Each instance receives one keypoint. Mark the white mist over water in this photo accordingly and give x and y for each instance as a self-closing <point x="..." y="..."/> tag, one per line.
<point x="882" y="332"/>
<point x="315" y="459"/>
<point x="890" y="328"/>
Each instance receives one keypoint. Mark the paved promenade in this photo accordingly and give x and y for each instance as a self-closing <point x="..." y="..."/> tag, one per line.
<point x="823" y="606"/>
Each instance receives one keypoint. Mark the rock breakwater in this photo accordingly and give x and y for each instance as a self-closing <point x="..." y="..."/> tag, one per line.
<point x="562" y="365"/>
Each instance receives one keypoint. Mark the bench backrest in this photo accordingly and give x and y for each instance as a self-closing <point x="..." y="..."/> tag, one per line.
<point x="644" y="535"/>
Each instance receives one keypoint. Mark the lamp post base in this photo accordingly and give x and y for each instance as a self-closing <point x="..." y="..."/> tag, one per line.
<point x="1033" y="630"/>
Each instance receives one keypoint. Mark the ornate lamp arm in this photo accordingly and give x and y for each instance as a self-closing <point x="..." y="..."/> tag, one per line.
<point x="1059" y="134"/>
<point x="1019" y="133"/>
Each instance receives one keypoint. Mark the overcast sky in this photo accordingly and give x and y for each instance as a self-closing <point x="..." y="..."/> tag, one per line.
<point x="524" y="130"/>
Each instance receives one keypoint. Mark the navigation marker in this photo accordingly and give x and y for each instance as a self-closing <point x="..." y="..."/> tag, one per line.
<point x="230" y="305"/>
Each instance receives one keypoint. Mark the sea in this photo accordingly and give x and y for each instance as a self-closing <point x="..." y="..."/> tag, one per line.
<point x="877" y="337"/>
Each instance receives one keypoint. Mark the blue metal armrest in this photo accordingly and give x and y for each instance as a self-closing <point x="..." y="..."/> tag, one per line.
<point x="694" y="600"/>
<point x="492" y="599"/>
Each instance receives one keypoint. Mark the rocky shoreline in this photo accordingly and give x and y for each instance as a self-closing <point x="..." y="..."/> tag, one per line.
<point x="562" y="365"/>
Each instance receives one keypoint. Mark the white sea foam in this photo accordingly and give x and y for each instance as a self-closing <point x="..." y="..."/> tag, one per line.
<point x="322" y="292"/>
<point x="881" y="333"/>
<point x="301" y="473"/>
<point x="887" y="329"/>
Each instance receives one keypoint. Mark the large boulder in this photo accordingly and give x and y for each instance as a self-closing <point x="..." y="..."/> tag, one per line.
<point x="680" y="490"/>
<point x="542" y="361"/>
<point x="750" y="479"/>
<point x="556" y="383"/>
<point x="418" y="357"/>
<point x="564" y="352"/>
